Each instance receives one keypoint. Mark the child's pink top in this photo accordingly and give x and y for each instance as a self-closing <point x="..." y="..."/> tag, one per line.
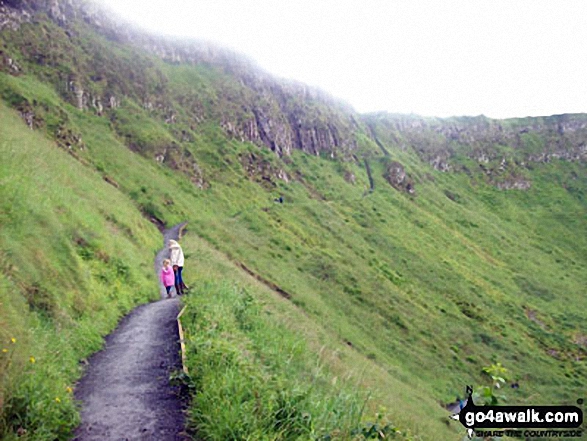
<point x="167" y="276"/>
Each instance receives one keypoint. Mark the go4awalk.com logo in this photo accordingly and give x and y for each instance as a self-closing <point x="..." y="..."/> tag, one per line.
<point x="520" y="421"/>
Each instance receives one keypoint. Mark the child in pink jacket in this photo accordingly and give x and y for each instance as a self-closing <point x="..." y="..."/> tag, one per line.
<point x="167" y="277"/>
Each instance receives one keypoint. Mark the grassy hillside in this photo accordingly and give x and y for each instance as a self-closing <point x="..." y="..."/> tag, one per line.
<point x="75" y="257"/>
<point x="401" y="296"/>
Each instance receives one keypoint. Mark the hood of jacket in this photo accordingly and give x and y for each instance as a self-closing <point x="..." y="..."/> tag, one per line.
<point x="173" y="244"/>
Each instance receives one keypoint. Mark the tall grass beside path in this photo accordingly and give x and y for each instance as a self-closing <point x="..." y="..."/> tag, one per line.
<point x="253" y="379"/>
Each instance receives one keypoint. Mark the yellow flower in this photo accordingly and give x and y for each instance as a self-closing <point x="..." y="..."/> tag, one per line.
<point x="57" y="400"/>
<point x="32" y="360"/>
<point x="13" y="340"/>
<point x="5" y="350"/>
<point x="68" y="389"/>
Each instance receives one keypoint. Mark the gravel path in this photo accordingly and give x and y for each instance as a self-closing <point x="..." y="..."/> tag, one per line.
<point x="125" y="392"/>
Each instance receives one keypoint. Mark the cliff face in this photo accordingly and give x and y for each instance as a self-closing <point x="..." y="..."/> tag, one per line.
<point x="499" y="149"/>
<point x="283" y="115"/>
<point x="247" y="103"/>
<point x="287" y="116"/>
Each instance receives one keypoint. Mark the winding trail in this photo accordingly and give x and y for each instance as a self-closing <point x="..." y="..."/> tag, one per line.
<point x="125" y="392"/>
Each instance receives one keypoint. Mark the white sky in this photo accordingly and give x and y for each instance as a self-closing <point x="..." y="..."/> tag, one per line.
<point x="500" y="58"/>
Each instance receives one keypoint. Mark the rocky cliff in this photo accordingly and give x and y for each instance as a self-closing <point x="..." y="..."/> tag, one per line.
<point x="283" y="115"/>
<point x="249" y="104"/>
<point x="500" y="149"/>
<point x="482" y="139"/>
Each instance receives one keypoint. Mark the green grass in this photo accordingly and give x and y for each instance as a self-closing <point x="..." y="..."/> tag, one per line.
<point x="253" y="355"/>
<point x="433" y="288"/>
<point x="74" y="258"/>
<point x="401" y="298"/>
<point x="254" y="379"/>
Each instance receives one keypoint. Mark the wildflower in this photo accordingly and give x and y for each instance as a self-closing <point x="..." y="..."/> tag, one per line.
<point x="5" y="350"/>
<point x="68" y="389"/>
<point x="57" y="400"/>
<point x="13" y="340"/>
<point x="32" y="360"/>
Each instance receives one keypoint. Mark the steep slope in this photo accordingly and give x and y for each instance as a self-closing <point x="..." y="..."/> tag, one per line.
<point x="500" y="150"/>
<point x="75" y="256"/>
<point x="396" y="241"/>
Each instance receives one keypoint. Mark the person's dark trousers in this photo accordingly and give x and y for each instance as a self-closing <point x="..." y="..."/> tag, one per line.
<point x="178" y="279"/>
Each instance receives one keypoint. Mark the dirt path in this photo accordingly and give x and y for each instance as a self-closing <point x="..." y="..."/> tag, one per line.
<point x="125" y="392"/>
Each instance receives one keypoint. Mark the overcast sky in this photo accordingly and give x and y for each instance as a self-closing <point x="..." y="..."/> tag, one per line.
<point x="500" y="58"/>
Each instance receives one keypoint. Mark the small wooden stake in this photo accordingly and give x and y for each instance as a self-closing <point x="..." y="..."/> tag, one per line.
<point x="182" y="341"/>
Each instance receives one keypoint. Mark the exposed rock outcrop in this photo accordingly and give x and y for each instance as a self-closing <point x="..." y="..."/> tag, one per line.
<point x="13" y="14"/>
<point x="397" y="177"/>
<point x="514" y="183"/>
<point x="263" y="171"/>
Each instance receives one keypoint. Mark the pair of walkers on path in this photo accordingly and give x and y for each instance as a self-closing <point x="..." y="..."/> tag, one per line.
<point x="172" y="268"/>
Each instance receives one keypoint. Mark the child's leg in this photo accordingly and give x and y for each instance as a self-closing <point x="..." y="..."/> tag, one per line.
<point x="168" y="289"/>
